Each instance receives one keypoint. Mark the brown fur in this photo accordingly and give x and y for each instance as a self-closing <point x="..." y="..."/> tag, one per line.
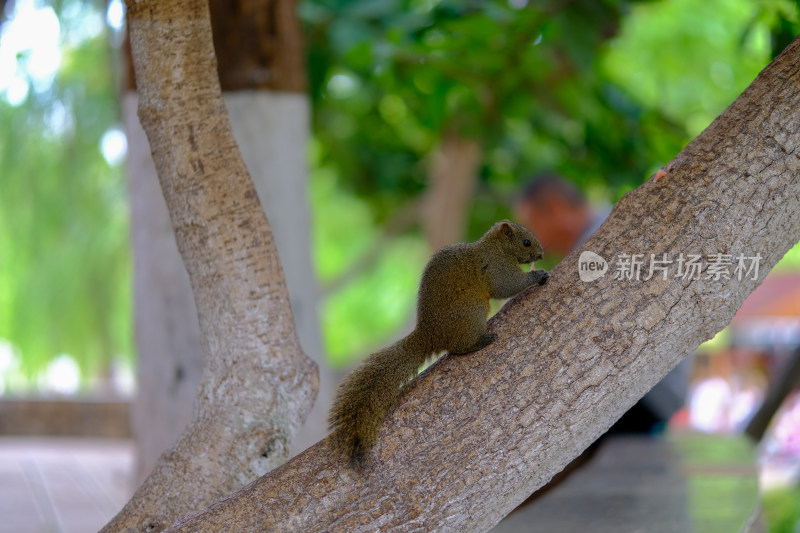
<point x="452" y="309"/>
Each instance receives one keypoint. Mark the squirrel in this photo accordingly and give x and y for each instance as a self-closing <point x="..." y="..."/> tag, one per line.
<point x="452" y="310"/>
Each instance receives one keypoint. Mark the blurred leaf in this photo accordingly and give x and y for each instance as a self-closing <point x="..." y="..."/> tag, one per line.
<point x="64" y="260"/>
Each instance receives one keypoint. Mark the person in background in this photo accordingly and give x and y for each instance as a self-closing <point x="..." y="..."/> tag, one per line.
<point x="562" y="219"/>
<point x="557" y="213"/>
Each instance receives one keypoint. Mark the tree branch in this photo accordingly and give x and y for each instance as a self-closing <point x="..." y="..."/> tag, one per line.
<point x="452" y="179"/>
<point x="257" y="384"/>
<point x="475" y="435"/>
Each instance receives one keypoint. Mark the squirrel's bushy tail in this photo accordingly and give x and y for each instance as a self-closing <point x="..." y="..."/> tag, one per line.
<point x="368" y="393"/>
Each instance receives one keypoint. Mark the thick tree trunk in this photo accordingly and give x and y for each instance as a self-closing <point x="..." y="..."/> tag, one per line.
<point x="257" y="384"/>
<point x="475" y="435"/>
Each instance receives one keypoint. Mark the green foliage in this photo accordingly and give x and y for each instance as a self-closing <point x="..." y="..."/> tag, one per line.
<point x="389" y="78"/>
<point x="363" y="313"/>
<point x="781" y="510"/>
<point x="64" y="260"/>
<point x="382" y="299"/>
<point x="790" y="261"/>
<point x="687" y="59"/>
<point x="582" y="88"/>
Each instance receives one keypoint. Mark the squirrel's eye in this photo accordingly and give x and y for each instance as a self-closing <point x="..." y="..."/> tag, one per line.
<point x="526" y="243"/>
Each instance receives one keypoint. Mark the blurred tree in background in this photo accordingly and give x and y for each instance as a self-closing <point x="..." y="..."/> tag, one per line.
<point x="603" y="93"/>
<point x="64" y="262"/>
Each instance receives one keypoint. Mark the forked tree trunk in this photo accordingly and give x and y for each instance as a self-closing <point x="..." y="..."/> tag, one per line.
<point x="258" y="44"/>
<point x="476" y="435"/>
<point x="257" y="385"/>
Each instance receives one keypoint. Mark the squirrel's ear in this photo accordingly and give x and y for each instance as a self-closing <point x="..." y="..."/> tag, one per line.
<point x="506" y="229"/>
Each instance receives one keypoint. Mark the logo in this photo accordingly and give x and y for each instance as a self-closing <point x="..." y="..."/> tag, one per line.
<point x="636" y="267"/>
<point x="591" y="266"/>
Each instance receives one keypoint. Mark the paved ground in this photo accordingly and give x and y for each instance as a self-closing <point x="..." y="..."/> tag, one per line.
<point x="633" y="484"/>
<point x="62" y="485"/>
<point x="629" y="485"/>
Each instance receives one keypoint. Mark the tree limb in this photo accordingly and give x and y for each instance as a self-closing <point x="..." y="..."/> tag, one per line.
<point x="257" y="385"/>
<point x="475" y="435"/>
<point x="783" y="382"/>
<point x="452" y="179"/>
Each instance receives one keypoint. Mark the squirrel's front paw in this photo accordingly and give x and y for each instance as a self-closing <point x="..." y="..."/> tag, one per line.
<point x="543" y="276"/>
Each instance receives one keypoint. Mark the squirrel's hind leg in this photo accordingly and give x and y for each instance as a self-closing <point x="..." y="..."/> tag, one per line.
<point x="471" y="334"/>
<point x="485" y="340"/>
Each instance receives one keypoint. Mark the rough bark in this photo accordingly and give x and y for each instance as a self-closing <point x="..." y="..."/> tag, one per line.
<point x="475" y="435"/>
<point x="257" y="384"/>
